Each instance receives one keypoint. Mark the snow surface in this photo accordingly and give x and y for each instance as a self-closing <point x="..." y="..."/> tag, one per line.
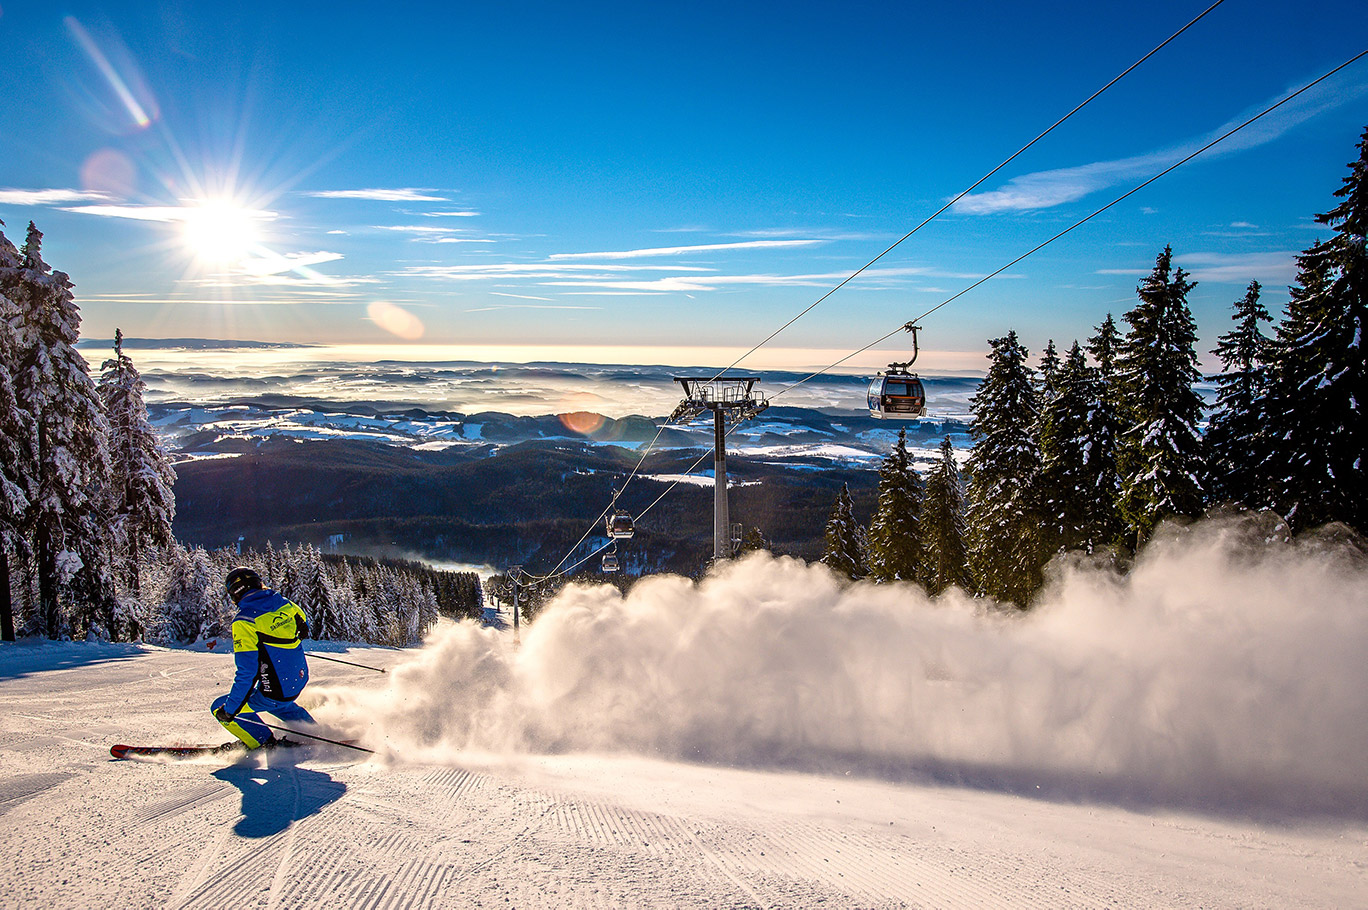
<point x="767" y="738"/>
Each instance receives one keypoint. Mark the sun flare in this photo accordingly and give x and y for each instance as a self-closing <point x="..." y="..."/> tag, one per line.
<point x="218" y="231"/>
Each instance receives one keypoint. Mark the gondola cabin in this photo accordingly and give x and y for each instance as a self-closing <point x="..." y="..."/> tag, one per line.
<point x="897" y="395"/>
<point x="620" y="526"/>
<point x="610" y="562"/>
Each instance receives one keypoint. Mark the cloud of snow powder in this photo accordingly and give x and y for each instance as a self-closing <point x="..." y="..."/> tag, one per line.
<point x="1227" y="669"/>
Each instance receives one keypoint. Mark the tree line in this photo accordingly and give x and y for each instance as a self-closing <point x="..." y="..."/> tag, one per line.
<point x="1092" y="450"/>
<point x="86" y="504"/>
<point x="346" y="598"/>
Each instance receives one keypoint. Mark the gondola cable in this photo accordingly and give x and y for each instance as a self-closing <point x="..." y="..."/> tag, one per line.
<point x="1131" y="192"/>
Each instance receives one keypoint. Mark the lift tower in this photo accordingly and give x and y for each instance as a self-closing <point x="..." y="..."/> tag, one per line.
<point x="731" y="397"/>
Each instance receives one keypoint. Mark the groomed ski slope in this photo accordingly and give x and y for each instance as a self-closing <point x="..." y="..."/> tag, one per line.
<point x="322" y="828"/>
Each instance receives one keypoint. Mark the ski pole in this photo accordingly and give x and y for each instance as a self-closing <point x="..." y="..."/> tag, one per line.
<point x="316" y="655"/>
<point x="322" y="739"/>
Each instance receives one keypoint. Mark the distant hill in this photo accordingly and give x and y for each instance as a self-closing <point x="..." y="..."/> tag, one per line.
<point x="190" y="344"/>
<point x="525" y="503"/>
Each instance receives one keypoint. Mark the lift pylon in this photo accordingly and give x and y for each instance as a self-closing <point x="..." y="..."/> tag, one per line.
<point x="735" y="397"/>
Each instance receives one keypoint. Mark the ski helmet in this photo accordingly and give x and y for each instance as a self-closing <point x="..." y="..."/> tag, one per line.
<point x="240" y="581"/>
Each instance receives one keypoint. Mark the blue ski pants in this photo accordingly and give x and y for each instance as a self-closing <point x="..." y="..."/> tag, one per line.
<point x="248" y="727"/>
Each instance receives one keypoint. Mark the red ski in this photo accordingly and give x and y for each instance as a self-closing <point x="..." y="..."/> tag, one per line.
<point x="122" y="751"/>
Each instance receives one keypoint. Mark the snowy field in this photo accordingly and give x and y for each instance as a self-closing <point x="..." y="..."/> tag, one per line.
<point x="1187" y="738"/>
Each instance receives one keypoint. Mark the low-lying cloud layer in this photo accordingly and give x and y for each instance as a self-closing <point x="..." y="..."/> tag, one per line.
<point x="1226" y="670"/>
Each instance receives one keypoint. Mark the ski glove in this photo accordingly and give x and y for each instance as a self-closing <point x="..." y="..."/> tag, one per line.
<point x="222" y="716"/>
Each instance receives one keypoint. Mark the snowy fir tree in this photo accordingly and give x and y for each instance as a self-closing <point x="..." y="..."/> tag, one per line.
<point x="946" y="560"/>
<point x="1065" y="491"/>
<point x="1318" y="382"/>
<point x="193" y="596"/>
<point x="1236" y="443"/>
<point x="66" y="517"/>
<point x="18" y="439"/>
<point x="846" y="544"/>
<point x="141" y="477"/>
<point x="754" y="540"/>
<point x="1160" y="455"/>
<point x="1005" y="549"/>
<point x="1104" y="433"/>
<point x="895" y="539"/>
<point x="1049" y="370"/>
<point x="324" y="621"/>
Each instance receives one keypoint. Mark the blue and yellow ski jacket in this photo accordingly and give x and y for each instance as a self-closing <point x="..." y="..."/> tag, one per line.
<point x="267" y="649"/>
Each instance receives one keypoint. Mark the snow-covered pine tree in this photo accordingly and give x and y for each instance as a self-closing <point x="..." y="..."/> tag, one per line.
<point x="1104" y="432"/>
<point x="350" y="621"/>
<point x="946" y="559"/>
<point x="895" y="539"/>
<point x="1318" y="382"/>
<point x="1003" y="518"/>
<point x="754" y="539"/>
<point x="1160" y="456"/>
<point x="1049" y="370"/>
<point x="141" y="476"/>
<point x="1065" y="493"/>
<point x="315" y="597"/>
<point x="847" y="547"/>
<point x="288" y="572"/>
<point x="194" y="596"/>
<point x="1236" y="444"/>
<point x="427" y="609"/>
<point x="18" y="438"/>
<point x="66" y="519"/>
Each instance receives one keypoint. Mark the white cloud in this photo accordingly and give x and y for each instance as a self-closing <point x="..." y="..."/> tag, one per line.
<point x="1271" y="268"/>
<point x="529" y="306"/>
<point x="380" y="195"/>
<point x="275" y="264"/>
<point x="415" y="228"/>
<point x="450" y="214"/>
<point x="1045" y="189"/>
<point x="532" y="270"/>
<point x="10" y="196"/>
<point x="520" y="296"/>
<point x="161" y="213"/>
<point x="680" y="250"/>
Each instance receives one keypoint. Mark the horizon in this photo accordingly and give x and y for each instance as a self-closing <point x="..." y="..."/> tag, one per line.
<point x="638" y="182"/>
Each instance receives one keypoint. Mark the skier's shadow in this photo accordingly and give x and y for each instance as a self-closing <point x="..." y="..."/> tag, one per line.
<point x="275" y="798"/>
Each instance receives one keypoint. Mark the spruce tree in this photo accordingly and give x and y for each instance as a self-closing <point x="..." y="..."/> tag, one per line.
<point x="1235" y="439"/>
<point x="141" y="477"/>
<point x="895" y="540"/>
<point x="315" y="597"/>
<point x="846" y="543"/>
<point x="18" y="438"/>
<point x="946" y="558"/>
<point x="1049" y="370"/>
<point x="1160" y="456"/>
<point x="1318" y="383"/>
<point x="1065" y="426"/>
<point x="53" y="384"/>
<point x="754" y="539"/>
<point x="1003" y="513"/>
<point x="1103" y="483"/>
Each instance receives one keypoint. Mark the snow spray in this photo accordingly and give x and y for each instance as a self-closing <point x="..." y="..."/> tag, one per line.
<point x="1228" y="668"/>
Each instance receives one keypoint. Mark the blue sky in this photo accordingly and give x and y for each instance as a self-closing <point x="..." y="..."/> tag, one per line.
<point x="651" y="182"/>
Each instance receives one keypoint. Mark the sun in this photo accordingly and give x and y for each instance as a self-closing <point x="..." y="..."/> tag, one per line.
<point x="220" y="231"/>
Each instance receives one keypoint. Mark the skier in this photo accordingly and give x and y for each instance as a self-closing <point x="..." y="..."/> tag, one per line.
<point x="271" y="670"/>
